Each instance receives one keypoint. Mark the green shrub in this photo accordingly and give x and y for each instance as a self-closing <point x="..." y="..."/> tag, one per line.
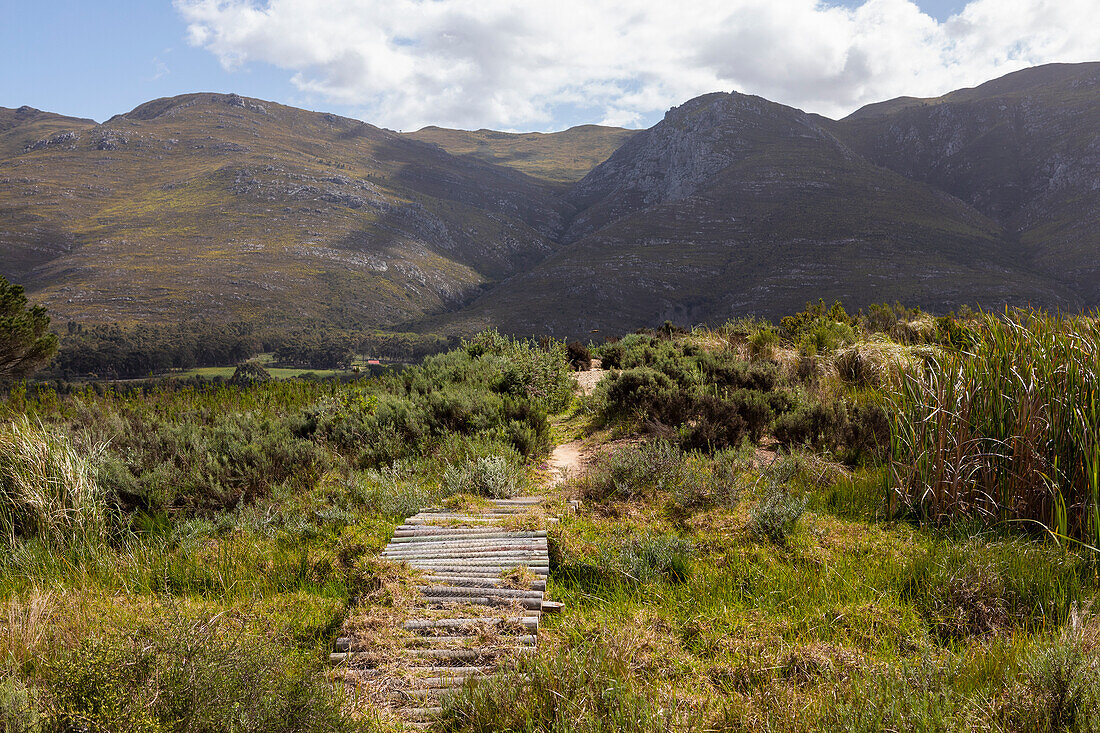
<point x="776" y="515"/>
<point x="634" y="392"/>
<point x="497" y="477"/>
<point x="634" y="470"/>
<point x="856" y="431"/>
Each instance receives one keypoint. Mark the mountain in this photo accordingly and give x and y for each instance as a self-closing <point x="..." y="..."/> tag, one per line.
<point x="733" y="204"/>
<point x="558" y="157"/>
<point x="224" y="207"/>
<point x="229" y="208"/>
<point x="1023" y="149"/>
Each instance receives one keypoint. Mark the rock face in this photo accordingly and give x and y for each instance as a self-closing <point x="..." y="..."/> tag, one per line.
<point x="1024" y="150"/>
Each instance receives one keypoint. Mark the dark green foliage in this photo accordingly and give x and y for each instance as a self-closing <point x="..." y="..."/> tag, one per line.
<point x="636" y="391"/>
<point x="854" y="430"/>
<point x="460" y="392"/>
<point x="205" y="461"/>
<point x="25" y="341"/>
<point x="709" y="401"/>
<point x="249" y="372"/>
<point x="798" y="326"/>
<point x="580" y="358"/>
<point x="114" y="351"/>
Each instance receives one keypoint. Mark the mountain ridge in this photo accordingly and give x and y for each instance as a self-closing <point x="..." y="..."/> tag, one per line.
<point x="226" y="207"/>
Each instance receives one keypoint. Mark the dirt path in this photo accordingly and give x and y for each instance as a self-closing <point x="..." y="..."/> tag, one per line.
<point x="570" y="459"/>
<point x="587" y="381"/>
<point x="567" y="459"/>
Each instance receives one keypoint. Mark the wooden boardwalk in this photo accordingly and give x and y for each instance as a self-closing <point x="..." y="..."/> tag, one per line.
<point x="480" y="592"/>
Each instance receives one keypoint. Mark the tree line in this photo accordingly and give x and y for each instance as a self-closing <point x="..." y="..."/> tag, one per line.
<point x="117" y="351"/>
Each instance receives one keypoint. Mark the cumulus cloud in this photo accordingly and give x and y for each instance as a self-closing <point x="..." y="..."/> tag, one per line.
<point x="520" y="64"/>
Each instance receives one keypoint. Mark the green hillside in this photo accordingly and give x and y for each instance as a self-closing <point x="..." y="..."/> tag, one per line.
<point x="227" y="208"/>
<point x="558" y="157"/>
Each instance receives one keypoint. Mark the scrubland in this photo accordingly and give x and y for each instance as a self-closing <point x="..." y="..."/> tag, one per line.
<point x="878" y="522"/>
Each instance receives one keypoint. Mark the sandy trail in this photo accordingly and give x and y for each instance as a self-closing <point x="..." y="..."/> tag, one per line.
<point x="566" y="460"/>
<point x="570" y="459"/>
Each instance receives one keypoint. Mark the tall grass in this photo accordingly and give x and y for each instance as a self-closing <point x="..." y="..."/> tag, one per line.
<point x="48" y="489"/>
<point x="1006" y="428"/>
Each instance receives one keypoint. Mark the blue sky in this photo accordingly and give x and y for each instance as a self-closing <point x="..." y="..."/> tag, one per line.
<point x="98" y="59"/>
<point x="501" y="64"/>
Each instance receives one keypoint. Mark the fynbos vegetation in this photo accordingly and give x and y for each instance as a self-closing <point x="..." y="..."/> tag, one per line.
<point x="839" y="522"/>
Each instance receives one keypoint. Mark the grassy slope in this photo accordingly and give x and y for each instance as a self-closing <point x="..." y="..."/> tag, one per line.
<point x="680" y="615"/>
<point x="559" y="157"/>
<point x="228" y="208"/>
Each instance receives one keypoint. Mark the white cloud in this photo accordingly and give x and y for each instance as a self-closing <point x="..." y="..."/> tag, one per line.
<point x="524" y="64"/>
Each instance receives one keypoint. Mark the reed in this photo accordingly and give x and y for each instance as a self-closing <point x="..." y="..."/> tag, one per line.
<point x="1007" y="428"/>
<point x="48" y="489"/>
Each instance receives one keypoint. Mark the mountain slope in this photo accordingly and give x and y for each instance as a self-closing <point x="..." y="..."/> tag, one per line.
<point x="26" y="128"/>
<point x="734" y="204"/>
<point x="223" y="207"/>
<point x="1023" y="149"/>
<point x="557" y="157"/>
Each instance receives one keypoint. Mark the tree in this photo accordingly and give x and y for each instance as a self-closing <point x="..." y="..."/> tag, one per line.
<point x="25" y="340"/>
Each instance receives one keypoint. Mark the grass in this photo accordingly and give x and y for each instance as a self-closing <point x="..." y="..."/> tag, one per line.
<point x="276" y="372"/>
<point x="1004" y="426"/>
<point x="180" y="556"/>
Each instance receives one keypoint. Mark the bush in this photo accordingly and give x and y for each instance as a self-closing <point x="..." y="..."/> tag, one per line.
<point x="762" y="342"/>
<point x="776" y="516"/>
<point x="632" y="471"/>
<point x="855" y="431"/>
<point x="580" y="358"/>
<point x="634" y="392"/>
<point x="494" y="476"/>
